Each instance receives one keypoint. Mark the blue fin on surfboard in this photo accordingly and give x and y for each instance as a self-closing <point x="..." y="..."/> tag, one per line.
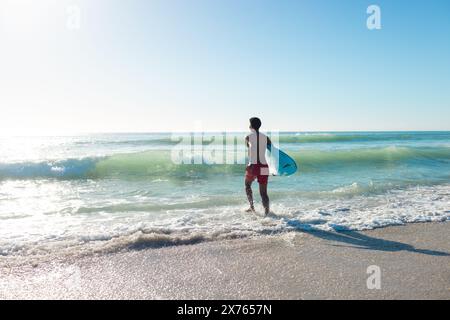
<point x="280" y="163"/>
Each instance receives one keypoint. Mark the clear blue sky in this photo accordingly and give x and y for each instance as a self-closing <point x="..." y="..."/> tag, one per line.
<point x="141" y="65"/>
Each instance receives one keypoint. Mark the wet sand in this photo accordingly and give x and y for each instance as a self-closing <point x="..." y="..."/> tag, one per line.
<point x="414" y="262"/>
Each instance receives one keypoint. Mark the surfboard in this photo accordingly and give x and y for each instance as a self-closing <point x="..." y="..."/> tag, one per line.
<point x="280" y="164"/>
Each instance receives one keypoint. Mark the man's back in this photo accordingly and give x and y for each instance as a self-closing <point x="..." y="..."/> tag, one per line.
<point x="255" y="148"/>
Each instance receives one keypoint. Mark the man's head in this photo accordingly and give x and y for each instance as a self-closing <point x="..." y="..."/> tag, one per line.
<point x="255" y="123"/>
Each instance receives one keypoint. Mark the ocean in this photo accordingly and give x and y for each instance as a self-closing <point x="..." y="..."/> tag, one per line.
<point x="108" y="192"/>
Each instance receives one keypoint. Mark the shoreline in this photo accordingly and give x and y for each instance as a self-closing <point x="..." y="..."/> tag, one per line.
<point x="413" y="260"/>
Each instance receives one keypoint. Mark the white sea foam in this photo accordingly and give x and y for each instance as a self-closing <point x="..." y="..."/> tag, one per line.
<point x="41" y="235"/>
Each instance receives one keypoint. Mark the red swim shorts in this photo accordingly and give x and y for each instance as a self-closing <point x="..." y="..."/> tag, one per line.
<point x="257" y="171"/>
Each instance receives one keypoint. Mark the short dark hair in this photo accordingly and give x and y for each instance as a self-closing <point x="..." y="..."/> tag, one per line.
<point x="255" y="123"/>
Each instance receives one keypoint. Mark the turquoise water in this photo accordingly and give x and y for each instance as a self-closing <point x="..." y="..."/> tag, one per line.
<point x="117" y="191"/>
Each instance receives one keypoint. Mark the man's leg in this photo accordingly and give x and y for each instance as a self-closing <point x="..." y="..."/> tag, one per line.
<point x="248" y="191"/>
<point x="264" y="197"/>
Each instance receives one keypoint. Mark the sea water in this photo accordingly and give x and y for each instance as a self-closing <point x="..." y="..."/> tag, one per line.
<point x="120" y="191"/>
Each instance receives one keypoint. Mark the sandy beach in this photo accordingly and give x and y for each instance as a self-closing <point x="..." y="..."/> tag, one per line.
<point x="414" y="261"/>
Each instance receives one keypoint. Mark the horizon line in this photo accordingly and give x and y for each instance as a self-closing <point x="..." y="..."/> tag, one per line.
<point x="56" y="134"/>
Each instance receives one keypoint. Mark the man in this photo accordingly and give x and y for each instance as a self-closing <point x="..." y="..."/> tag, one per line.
<point x="257" y="167"/>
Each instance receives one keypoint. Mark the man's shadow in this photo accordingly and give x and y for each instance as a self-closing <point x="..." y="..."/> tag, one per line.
<point x="358" y="240"/>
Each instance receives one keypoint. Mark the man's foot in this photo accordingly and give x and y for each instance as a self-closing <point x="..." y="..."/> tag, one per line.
<point x="267" y="211"/>
<point x="250" y="210"/>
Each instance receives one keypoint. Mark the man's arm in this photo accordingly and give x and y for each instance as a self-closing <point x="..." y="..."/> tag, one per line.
<point x="269" y="143"/>
<point x="246" y="141"/>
